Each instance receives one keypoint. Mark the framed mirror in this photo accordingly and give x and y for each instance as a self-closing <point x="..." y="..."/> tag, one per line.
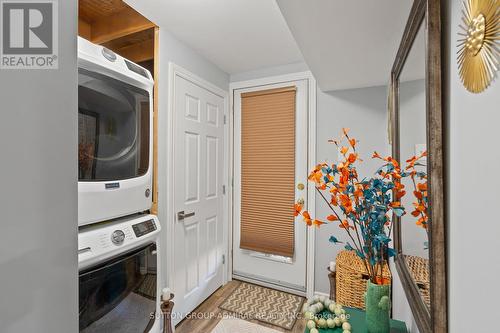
<point x="417" y="131"/>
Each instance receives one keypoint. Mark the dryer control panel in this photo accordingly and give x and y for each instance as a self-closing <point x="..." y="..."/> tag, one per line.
<point x="143" y="228"/>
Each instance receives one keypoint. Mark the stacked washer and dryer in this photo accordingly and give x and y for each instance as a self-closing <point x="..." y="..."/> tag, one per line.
<point x="118" y="246"/>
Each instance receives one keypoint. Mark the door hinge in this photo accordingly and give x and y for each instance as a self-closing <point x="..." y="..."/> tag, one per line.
<point x="223" y="189"/>
<point x="225" y="121"/>
<point x="223" y="259"/>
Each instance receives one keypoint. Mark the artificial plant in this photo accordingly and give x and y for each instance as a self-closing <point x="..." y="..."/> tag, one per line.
<point x="362" y="207"/>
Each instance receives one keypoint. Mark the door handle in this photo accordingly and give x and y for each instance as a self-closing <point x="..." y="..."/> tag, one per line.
<point x="181" y="215"/>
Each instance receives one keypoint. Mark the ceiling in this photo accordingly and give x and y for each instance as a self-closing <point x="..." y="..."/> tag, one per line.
<point x="348" y="44"/>
<point x="236" y="35"/>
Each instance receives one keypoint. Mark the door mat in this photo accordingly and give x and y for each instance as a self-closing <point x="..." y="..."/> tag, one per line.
<point x="233" y="325"/>
<point x="251" y="302"/>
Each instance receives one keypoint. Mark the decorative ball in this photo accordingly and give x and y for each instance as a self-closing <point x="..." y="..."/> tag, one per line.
<point x="330" y="323"/>
<point x="332" y="308"/>
<point x="338" y="312"/>
<point x="313" y="330"/>
<point x="308" y="315"/>
<point x="322" y="323"/>
<point x="327" y="303"/>
<point x="338" y="306"/>
<point x="337" y="322"/>
<point x="346" y="331"/>
<point x="346" y="326"/>
<point x="343" y="319"/>
<point x="315" y="298"/>
<point x="320" y="307"/>
<point x="311" y="324"/>
<point x="322" y="299"/>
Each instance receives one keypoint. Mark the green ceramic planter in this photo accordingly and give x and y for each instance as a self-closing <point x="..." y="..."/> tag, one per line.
<point x="378" y="305"/>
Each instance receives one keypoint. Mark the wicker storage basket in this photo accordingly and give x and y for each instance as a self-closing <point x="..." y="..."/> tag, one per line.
<point x="351" y="278"/>
<point x="419" y="269"/>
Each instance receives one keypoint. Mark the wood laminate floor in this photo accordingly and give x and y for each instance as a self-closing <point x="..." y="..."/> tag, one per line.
<point x="199" y="323"/>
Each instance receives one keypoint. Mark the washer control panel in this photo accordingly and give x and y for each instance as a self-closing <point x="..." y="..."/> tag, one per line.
<point x="143" y="228"/>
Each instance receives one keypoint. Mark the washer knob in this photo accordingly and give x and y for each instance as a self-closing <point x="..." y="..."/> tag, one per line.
<point x="117" y="237"/>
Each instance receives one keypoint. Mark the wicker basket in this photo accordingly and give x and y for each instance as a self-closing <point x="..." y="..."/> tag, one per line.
<point x="419" y="269"/>
<point x="351" y="278"/>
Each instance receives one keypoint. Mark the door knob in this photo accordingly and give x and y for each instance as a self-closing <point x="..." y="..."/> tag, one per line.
<point x="181" y="215"/>
<point x="300" y="186"/>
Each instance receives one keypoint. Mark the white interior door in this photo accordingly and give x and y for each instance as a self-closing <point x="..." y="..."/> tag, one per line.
<point x="198" y="194"/>
<point x="276" y="271"/>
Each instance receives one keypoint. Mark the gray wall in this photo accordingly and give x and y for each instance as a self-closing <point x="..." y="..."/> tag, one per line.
<point x="270" y="71"/>
<point x="364" y="111"/>
<point x="472" y="197"/>
<point x="38" y="192"/>
<point x="413" y="131"/>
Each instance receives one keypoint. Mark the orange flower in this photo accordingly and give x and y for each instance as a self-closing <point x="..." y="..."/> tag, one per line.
<point x="422" y="187"/>
<point x="352" y="142"/>
<point x="298" y="209"/>
<point x="352" y="157"/>
<point x="344" y="150"/>
<point x="345" y="130"/>
<point x="318" y="223"/>
<point x="307" y="218"/>
<point x="332" y="218"/>
<point x="345" y="225"/>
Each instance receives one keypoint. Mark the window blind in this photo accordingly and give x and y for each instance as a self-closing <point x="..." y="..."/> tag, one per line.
<point x="268" y="171"/>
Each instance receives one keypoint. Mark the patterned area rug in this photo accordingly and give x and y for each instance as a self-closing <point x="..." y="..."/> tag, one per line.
<point x="235" y="325"/>
<point x="274" y="307"/>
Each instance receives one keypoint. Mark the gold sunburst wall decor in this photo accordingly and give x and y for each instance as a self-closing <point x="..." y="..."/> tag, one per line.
<point x="478" y="46"/>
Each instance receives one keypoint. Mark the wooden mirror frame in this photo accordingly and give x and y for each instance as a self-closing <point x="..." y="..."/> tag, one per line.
<point x="428" y="12"/>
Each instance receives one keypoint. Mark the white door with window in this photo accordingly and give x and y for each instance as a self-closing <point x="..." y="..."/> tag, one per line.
<point x="198" y="194"/>
<point x="270" y="174"/>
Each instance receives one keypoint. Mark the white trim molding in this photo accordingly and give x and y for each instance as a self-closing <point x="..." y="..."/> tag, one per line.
<point x="311" y="158"/>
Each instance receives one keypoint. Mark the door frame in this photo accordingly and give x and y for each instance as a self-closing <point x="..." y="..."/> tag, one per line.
<point x="311" y="161"/>
<point x="175" y="70"/>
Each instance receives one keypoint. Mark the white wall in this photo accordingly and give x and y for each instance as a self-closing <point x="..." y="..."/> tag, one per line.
<point x="38" y="192"/>
<point x="472" y="198"/>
